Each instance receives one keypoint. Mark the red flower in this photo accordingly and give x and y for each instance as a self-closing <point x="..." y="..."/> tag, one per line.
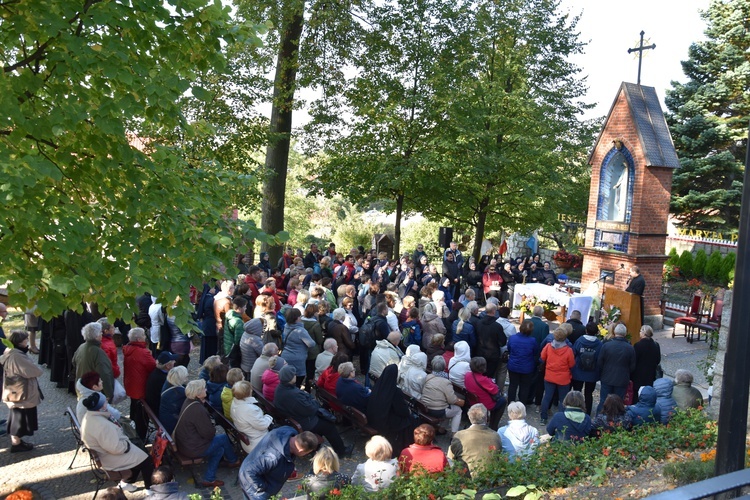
<point x="335" y="492"/>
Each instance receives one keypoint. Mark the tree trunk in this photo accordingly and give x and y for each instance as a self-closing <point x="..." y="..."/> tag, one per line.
<point x="397" y="227"/>
<point x="479" y="233"/>
<point x="277" y="153"/>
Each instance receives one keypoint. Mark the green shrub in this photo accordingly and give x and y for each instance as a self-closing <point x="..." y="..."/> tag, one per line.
<point x="713" y="267"/>
<point x="690" y="472"/>
<point x="686" y="264"/>
<point x="699" y="264"/>
<point x="674" y="257"/>
<point x="727" y="266"/>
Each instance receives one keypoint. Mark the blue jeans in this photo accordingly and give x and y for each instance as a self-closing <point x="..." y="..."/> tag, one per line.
<point x="549" y="391"/>
<point x="605" y="390"/>
<point x="219" y="448"/>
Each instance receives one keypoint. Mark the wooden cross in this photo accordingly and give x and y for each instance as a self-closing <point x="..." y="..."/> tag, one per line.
<point x="640" y="50"/>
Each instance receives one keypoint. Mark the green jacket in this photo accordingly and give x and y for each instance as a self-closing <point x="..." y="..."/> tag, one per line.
<point x="91" y="357"/>
<point x="234" y="327"/>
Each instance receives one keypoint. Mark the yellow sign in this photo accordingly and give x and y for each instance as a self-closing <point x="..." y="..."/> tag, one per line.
<point x="613" y="225"/>
<point x="711" y="235"/>
<point x="569" y="218"/>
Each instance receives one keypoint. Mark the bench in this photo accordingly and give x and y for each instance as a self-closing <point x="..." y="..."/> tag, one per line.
<point x="235" y="436"/>
<point x="355" y="416"/>
<point x="181" y="459"/>
<point x="278" y="417"/>
<point x="421" y="410"/>
<point x="101" y="475"/>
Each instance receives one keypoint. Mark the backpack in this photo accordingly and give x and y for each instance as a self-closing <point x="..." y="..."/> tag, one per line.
<point x="407" y="335"/>
<point x="588" y="359"/>
<point x="367" y="334"/>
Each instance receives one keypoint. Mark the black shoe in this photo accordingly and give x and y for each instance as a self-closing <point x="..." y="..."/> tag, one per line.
<point x="23" y="446"/>
<point x="347" y="451"/>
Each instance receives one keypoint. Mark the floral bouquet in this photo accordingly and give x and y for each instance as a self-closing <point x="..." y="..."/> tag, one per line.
<point x="527" y="304"/>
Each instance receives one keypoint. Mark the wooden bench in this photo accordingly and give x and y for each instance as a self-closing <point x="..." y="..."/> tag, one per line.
<point x="101" y="475"/>
<point x="355" y="416"/>
<point x="180" y="458"/>
<point x="235" y="436"/>
<point x="421" y="410"/>
<point x="278" y="417"/>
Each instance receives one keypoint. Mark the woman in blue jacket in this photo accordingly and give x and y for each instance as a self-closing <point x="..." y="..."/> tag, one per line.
<point x="646" y="411"/>
<point x="585" y="372"/>
<point x="523" y="352"/>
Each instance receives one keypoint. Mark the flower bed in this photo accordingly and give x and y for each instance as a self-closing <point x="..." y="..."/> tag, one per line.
<point x="560" y="464"/>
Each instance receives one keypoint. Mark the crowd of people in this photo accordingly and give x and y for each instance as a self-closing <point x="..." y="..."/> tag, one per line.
<point x="441" y="341"/>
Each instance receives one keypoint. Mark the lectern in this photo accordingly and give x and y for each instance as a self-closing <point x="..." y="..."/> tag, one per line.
<point x="630" y="309"/>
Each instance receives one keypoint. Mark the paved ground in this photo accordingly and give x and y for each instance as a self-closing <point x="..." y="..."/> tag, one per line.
<point x="45" y="468"/>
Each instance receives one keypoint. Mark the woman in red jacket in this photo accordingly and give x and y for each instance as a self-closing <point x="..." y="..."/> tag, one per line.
<point x="485" y="390"/>
<point x="559" y="360"/>
<point x="492" y="282"/>
<point x="137" y="365"/>
<point x="108" y="345"/>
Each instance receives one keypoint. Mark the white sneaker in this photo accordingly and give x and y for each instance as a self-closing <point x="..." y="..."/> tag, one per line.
<point x="129" y="487"/>
<point x="149" y="493"/>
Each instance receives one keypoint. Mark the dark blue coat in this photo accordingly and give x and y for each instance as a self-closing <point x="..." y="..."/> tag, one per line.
<point x="566" y="429"/>
<point x="467" y="334"/>
<point x="541" y="330"/>
<point x="524" y="351"/>
<point x="646" y="411"/>
<point x="213" y="392"/>
<point x="265" y="470"/>
<point x="170" y="405"/>
<point x="616" y="362"/>
<point x="578" y="372"/>
<point x="352" y="393"/>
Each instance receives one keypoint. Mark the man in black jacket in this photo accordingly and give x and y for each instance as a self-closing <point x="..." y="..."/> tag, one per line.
<point x="616" y="362"/>
<point x="490" y="339"/>
<point x="579" y="329"/>
<point x="637" y="285"/>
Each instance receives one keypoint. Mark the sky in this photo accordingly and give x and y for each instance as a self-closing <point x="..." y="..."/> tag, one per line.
<point x="611" y="28"/>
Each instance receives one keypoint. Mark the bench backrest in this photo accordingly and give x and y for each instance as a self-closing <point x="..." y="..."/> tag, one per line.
<point x="226" y="424"/>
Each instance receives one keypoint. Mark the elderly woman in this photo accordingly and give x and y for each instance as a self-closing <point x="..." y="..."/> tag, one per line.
<point x="436" y="348"/>
<point x="572" y="423"/>
<point x="519" y="438"/>
<point x="270" y="378"/>
<point x="247" y="416"/>
<point x="380" y="469"/>
<point x="91" y="357"/>
<point x="422" y="454"/>
<point x="107" y="438"/>
<point x="195" y="435"/>
<point x="523" y="351"/>
<point x="338" y="330"/>
<point x="325" y="475"/>
<point x="464" y="330"/>
<point x="431" y="325"/>
<point x="348" y="390"/>
<point x="664" y="400"/>
<point x="297" y="343"/>
<point x="172" y="397"/>
<point x="261" y="365"/>
<point x="438" y="395"/>
<point x="458" y="366"/>
<point x="647" y="358"/>
<point x="88" y="384"/>
<point x="137" y="365"/>
<point x="412" y="372"/>
<point x="485" y="390"/>
<point x="548" y="275"/>
<point x="20" y="391"/>
<point x="684" y="394"/>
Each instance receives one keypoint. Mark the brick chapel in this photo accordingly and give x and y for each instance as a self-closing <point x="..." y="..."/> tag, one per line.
<point x="631" y="182"/>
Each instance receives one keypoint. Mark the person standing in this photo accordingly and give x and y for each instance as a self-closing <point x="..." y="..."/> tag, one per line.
<point x="90" y="357"/>
<point x="637" y="285"/>
<point x="647" y="358"/>
<point x="20" y="391"/>
<point x="615" y="363"/>
<point x="137" y="366"/>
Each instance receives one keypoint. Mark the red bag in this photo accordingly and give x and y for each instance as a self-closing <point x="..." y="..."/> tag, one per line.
<point x="629" y="394"/>
<point x="158" y="448"/>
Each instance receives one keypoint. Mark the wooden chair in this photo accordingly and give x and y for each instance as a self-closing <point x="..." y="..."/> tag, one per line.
<point x="712" y="324"/>
<point x="691" y="318"/>
<point x="348" y="413"/>
<point x="101" y="475"/>
<point x="278" y="417"/>
<point x="235" y="436"/>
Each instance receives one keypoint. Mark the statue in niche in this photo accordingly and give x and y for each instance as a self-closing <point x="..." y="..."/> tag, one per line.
<point x="617" y="195"/>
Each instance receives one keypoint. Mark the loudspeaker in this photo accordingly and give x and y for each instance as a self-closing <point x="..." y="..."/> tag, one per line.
<point x="445" y="237"/>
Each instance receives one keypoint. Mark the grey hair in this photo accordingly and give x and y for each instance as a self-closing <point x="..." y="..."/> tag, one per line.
<point x="339" y="314"/>
<point x="328" y="344"/>
<point x="516" y="410"/>
<point x="136" y="334"/>
<point x="92" y="331"/>
<point x="194" y="387"/>
<point x="178" y="375"/>
<point x="303" y="296"/>
<point x="538" y="311"/>
<point x="683" y="376"/>
<point x="478" y="414"/>
<point x="470" y="293"/>
<point x="621" y="330"/>
<point x="438" y="364"/>
<point x="346" y="369"/>
<point x="105" y="324"/>
<point x="473" y="307"/>
<point x="490" y="308"/>
<point x="270" y="349"/>
<point x="647" y="331"/>
<point x="438" y="295"/>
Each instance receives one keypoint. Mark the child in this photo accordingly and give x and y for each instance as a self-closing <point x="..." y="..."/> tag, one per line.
<point x="233" y="376"/>
<point x="411" y="330"/>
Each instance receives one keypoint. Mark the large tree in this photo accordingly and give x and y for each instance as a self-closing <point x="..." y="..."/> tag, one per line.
<point x="708" y="119"/>
<point x="508" y="143"/>
<point x="96" y="206"/>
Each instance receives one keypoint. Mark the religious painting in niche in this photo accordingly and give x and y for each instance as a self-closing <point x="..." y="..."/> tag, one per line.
<point x="615" y="200"/>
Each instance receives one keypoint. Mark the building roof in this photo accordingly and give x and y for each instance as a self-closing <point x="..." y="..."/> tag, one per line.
<point x="650" y="124"/>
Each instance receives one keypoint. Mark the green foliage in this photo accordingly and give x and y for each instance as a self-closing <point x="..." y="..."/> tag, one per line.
<point x="425" y="232"/>
<point x="713" y="267"/>
<point x="690" y="472"/>
<point x="727" y="267"/>
<point x="686" y="264"/>
<point x="560" y="464"/>
<point x="708" y="121"/>
<point x="699" y="264"/>
<point x="674" y="257"/>
<point x="99" y="202"/>
<point x="353" y="230"/>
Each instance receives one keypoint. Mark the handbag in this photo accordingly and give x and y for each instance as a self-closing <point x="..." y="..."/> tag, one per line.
<point x="659" y="371"/>
<point x="16" y="389"/>
<point x="158" y="448"/>
<point x="495" y="396"/>
<point x="118" y="395"/>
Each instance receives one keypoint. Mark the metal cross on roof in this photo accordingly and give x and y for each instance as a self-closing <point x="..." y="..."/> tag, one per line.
<point x="640" y="50"/>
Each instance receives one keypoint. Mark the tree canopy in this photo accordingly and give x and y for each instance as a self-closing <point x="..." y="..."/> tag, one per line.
<point x="708" y="119"/>
<point x="99" y="202"/>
